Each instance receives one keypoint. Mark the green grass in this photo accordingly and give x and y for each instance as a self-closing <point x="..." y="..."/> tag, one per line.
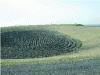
<point x="88" y="35"/>
<point x="83" y="61"/>
<point x="88" y="67"/>
<point x="35" y="44"/>
<point x="31" y="27"/>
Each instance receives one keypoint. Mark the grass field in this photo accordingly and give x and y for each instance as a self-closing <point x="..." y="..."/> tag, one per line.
<point x="87" y="56"/>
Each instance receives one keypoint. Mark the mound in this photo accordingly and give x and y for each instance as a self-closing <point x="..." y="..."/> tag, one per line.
<point x="35" y="43"/>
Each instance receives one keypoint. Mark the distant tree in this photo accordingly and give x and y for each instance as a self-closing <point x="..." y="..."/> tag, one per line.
<point x="79" y="25"/>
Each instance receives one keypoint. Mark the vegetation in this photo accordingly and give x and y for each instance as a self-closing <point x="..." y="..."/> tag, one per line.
<point x="89" y="67"/>
<point x="35" y="43"/>
<point x="79" y="25"/>
<point x="82" y="61"/>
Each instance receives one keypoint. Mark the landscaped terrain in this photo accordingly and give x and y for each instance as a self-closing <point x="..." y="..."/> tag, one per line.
<point x="35" y="44"/>
<point x="84" y="60"/>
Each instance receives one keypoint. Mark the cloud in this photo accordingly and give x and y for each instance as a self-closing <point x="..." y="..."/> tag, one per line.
<point x="33" y="13"/>
<point x="17" y="1"/>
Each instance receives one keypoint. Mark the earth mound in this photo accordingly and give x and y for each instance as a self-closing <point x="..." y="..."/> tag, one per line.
<point x="35" y="44"/>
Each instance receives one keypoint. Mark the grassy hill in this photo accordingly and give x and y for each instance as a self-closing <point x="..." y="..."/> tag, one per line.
<point x="85" y="34"/>
<point x="88" y="53"/>
<point x="35" y="43"/>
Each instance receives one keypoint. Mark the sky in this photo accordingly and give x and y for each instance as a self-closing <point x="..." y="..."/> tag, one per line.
<point x="41" y="12"/>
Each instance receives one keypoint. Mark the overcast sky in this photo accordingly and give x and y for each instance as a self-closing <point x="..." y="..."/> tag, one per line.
<point x="35" y="12"/>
